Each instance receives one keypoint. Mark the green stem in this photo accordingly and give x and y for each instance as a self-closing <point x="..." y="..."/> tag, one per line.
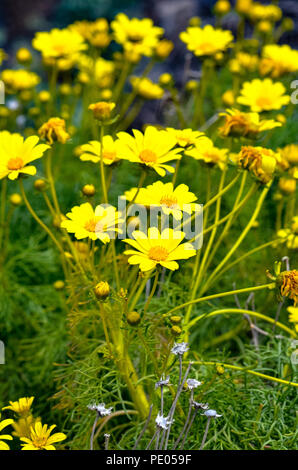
<point x="102" y="169"/>
<point x="152" y="291"/>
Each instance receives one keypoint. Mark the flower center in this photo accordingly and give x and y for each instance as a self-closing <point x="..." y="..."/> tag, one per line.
<point x="135" y="36"/>
<point x="109" y="155"/>
<point x="168" y="200"/>
<point x="90" y="225"/>
<point x="206" y="47"/>
<point x="147" y="156"/>
<point x="263" y="101"/>
<point x="15" y="163"/>
<point x="158" y="253"/>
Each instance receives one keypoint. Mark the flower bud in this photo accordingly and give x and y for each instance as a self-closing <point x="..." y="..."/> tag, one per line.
<point x="164" y="48"/>
<point x="15" y="199"/>
<point x="176" y="330"/>
<point x="23" y="56"/>
<point x="175" y="319"/>
<point x="101" y="110"/>
<point x="222" y="7"/>
<point x="102" y="290"/>
<point x="88" y="190"/>
<point x="59" y="285"/>
<point x="287" y="185"/>
<point x="133" y="318"/>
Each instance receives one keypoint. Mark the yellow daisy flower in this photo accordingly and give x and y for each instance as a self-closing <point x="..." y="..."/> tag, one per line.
<point x="86" y="222"/>
<point x="22" y="427"/>
<point x="293" y="317"/>
<point x="59" y="43"/>
<point x="185" y="137"/>
<point x="206" y="41"/>
<point x="146" y="88"/>
<point x="153" y="149"/>
<point x="91" y="151"/>
<point x="18" y="80"/>
<point x="240" y="124"/>
<point x="5" y="437"/>
<point x="102" y="69"/>
<point x="138" y="36"/>
<point x="22" y="406"/>
<point x="163" y="195"/>
<point x="40" y="438"/>
<point x="157" y="248"/>
<point x="290" y="235"/>
<point x="263" y="95"/>
<point x="290" y="154"/>
<point x="278" y="60"/>
<point x="16" y="153"/>
<point x="206" y="151"/>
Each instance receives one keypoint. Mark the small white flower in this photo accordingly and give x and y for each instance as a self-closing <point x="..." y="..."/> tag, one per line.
<point x="193" y="383"/>
<point x="100" y="408"/>
<point x="179" y="348"/>
<point x="211" y="414"/>
<point x="202" y="406"/>
<point x="163" y="382"/>
<point x="163" y="422"/>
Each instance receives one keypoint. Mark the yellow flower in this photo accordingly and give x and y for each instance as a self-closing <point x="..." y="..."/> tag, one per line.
<point x="222" y="7"/>
<point x="159" y="194"/>
<point x="290" y="235"/>
<point x="293" y="317"/>
<point x="16" y="153"/>
<point x="158" y="248"/>
<point x="287" y="185"/>
<point x="278" y="60"/>
<point x="23" y="55"/>
<point x="86" y="222"/>
<point x="290" y="154"/>
<point x="5" y="437"/>
<point x="110" y="151"/>
<point x="258" y="12"/>
<point x="246" y="61"/>
<point x="259" y="160"/>
<point x="206" y="151"/>
<point x="206" y="41"/>
<point x="153" y="149"/>
<point x="185" y="137"/>
<point x="263" y="95"/>
<point x="138" y="36"/>
<point x="287" y="282"/>
<point x="242" y="124"/>
<point x="243" y="6"/>
<point x="22" y="407"/>
<point x="164" y="49"/>
<point x="54" y="129"/>
<point x="18" y="80"/>
<point x="102" y="69"/>
<point x="146" y="88"/>
<point x="62" y="44"/>
<point x="95" y="32"/>
<point x="40" y="438"/>
<point x="102" y="110"/>
<point x="102" y="290"/>
<point x="22" y="426"/>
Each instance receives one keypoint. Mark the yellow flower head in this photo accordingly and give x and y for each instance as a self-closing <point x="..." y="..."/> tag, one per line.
<point x="185" y="137"/>
<point x="205" y="151"/>
<point x="240" y="124"/>
<point x="152" y="149"/>
<point x="259" y="160"/>
<point x="19" y="80"/>
<point x="16" y="153"/>
<point x="22" y="427"/>
<point x="22" y="407"/>
<point x="259" y="12"/>
<point x="102" y="290"/>
<point x="243" y="6"/>
<point x="102" y="110"/>
<point x="164" y="49"/>
<point x="287" y="185"/>
<point x="293" y="317"/>
<point x="157" y="248"/>
<point x="91" y="152"/>
<point x="102" y="69"/>
<point x="138" y="36"/>
<point x="171" y="200"/>
<point x="278" y="60"/>
<point x="41" y="439"/>
<point x="290" y="154"/>
<point x="58" y="44"/>
<point x="54" y="129"/>
<point x="85" y="222"/>
<point x="5" y="437"/>
<point x="263" y="95"/>
<point x="247" y="62"/>
<point x="290" y="235"/>
<point x="95" y="32"/>
<point x="206" y="41"/>
<point x="287" y="282"/>
<point x="146" y="88"/>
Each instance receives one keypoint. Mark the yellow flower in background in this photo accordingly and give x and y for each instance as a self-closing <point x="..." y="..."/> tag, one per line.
<point x="278" y="60"/>
<point x="206" y="151"/>
<point x="171" y="200"/>
<point x="18" y="80"/>
<point x="247" y="62"/>
<point x="138" y="36"/>
<point x="16" y="152"/>
<point x="153" y="149"/>
<point x="95" y="32"/>
<point x="101" y="110"/>
<point x="287" y="185"/>
<point x="91" y="152"/>
<point x="61" y="46"/>
<point x="3" y="56"/>
<point x="243" y="6"/>
<point x="157" y="248"/>
<point x="164" y="49"/>
<point x="5" y="437"/>
<point x="206" y="41"/>
<point x="293" y="315"/>
<point x="240" y="124"/>
<point x="86" y="222"/>
<point x="290" y="154"/>
<point x="146" y="88"/>
<point x="259" y="12"/>
<point x="263" y="95"/>
<point x="185" y="137"/>
<point x="290" y="235"/>
<point x="22" y="406"/>
<point x="102" y="69"/>
<point x="41" y="439"/>
<point x="54" y="130"/>
<point x="22" y="427"/>
<point x="259" y="160"/>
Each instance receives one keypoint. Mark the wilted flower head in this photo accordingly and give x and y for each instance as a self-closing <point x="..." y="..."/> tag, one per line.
<point x="163" y="422"/>
<point x="54" y="129"/>
<point x="162" y="382"/>
<point x="193" y="383"/>
<point x="202" y="406"/>
<point x="100" y="408"/>
<point x="180" y="348"/>
<point x="211" y="414"/>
